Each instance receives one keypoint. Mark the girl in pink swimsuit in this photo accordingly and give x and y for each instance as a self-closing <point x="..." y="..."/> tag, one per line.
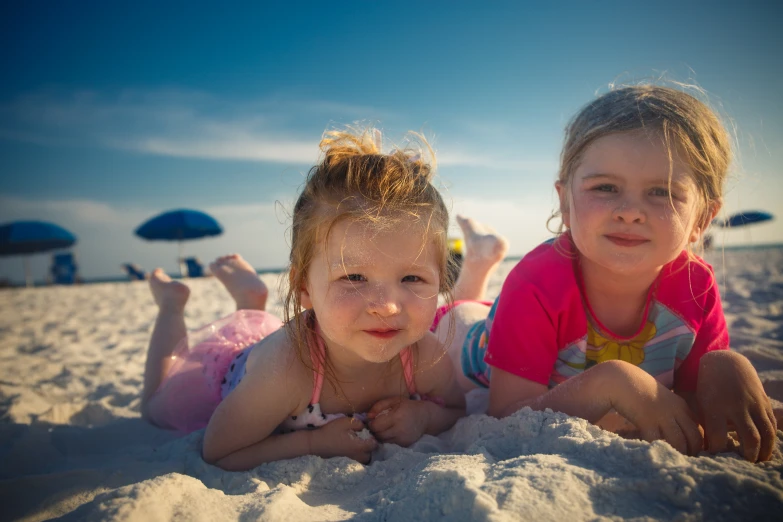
<point x="345" y="368"/>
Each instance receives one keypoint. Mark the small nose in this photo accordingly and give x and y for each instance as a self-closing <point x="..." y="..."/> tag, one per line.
<point x="383" y="301"/>
<point x="629" y="210"/>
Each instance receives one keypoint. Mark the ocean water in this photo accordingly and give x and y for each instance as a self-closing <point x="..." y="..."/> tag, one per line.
<point x="723" y="260"/>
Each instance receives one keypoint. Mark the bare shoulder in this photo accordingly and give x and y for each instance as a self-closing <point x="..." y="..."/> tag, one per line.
<point x="274" y="387"/>
<point x="428" y="352"/>
<point x="434" y="372"/>
<point x="274" y="361"/>
<point x="432" y="365"/>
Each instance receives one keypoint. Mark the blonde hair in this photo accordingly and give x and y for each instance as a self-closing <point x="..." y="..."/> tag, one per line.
<point x="687" y="125"/>
<point x="355" y="180"/>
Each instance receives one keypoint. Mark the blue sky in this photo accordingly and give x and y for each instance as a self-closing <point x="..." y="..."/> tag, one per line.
<point x="112" y="112"/>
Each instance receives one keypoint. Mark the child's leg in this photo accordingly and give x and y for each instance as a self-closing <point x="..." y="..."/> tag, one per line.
<point x="170" y="296"/>
<point x="241" y="281"/>
<point x="452" y="330"/>
<point x="484" y="250"/>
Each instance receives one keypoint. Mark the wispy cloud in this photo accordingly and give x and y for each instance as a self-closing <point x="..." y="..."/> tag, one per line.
<point x="175" y="123"/>
<point x="66" y="212"/>
<point x="461" y="158"/>
<point x="193" y="124"/>
<point x="227" y="146"/>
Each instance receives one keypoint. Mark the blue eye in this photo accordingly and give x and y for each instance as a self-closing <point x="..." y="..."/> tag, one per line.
<point x="606" y="187"/>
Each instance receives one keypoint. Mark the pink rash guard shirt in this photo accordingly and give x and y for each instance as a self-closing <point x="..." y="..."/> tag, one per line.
<point x="540" y="328"/>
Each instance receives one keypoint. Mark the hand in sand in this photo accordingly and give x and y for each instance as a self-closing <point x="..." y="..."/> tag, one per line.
<point x="657" y="411"/>
<point x="398" y="420"/>
<point x="341" y="438"/>
<point x="729" y="392"/>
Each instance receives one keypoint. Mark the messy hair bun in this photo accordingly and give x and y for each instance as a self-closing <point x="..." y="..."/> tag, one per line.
<point x="356" y="180"/>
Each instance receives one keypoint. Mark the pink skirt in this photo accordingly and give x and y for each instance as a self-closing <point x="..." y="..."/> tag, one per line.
<point x="191" y="390"/>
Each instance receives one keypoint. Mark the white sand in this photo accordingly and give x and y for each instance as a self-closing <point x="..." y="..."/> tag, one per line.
<point x="72" y="443"/>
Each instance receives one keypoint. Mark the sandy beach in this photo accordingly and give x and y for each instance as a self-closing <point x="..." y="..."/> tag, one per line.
<point x="73" y="445"/>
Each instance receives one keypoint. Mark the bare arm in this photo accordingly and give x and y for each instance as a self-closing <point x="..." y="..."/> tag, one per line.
<point x="240" y="435"/>
<point x="435" y="378"/>
<point x="637" y="396"/>
<point x="581" y="396"/>
<point x="335" y="439"/>
<point x="273" y="447"/>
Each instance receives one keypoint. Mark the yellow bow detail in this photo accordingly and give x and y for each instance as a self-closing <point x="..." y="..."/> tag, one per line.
<point x="602" y="349"/>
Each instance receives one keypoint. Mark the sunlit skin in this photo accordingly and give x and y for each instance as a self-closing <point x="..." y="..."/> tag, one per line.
<point x="374" y="292"/>
<point x="631" y="208"/>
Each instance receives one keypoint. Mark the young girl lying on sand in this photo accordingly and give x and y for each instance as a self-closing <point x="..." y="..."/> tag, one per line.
<point x="368" y="262"/>
<point x="617" y="312"/>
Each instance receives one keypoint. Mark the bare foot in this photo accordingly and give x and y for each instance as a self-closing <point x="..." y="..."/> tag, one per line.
<point x="169" y="295"/>
<point x="484" y="250"/>
<point x="482" y="244"/>
<point x="241" y="281"/>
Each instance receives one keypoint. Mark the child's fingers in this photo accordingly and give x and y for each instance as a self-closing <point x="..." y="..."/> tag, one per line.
<point x="382" y="423"/>
<point x="778" y="413"/>
<point x="364" y="444"/>
<point x="750" y="439"/>
<point x="674" y="435"/>
<point x="381" y="406"/>
<point x="692" y="434"/>
<point x="651" y="434"/>
<point x="368" y="444"/>
<point x="768" y="434"/>
<point x="773" y="418"/>
<point x="364" y="455"/>
<point x="716" y="433"/>
<point x="387" y="435"/>
<point x="355" y="424"/>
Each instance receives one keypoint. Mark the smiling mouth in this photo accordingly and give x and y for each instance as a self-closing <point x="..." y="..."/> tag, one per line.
<point x="626" y="240"/>
<point x="383" y="334"/>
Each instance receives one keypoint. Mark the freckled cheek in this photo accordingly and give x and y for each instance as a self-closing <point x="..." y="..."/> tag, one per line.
<point x="588" y="209"/>
<point x="422" y="300"/>
<point x="345" y="295"/>
<point x="675" y="231"/>
<point x="343" y="307"/>
<point x="675" y="221"/>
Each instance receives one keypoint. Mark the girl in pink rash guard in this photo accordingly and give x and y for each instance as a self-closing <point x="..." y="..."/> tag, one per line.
<point x="617" y="315"/>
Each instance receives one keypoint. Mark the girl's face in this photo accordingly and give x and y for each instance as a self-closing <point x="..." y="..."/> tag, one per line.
<point x="373" y="292"/>
<point x="630" y="210"/>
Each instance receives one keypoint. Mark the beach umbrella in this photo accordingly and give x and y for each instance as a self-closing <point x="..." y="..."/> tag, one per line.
<point x="747" y="217"/>
<point x="179" y="225"/>
<point x="32" y="237"/>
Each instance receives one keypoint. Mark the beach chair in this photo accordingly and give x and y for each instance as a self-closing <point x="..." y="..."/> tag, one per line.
<point x="64" y="269"/>
<point x="134" y="271"/>
<point x="194" y="267"/>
